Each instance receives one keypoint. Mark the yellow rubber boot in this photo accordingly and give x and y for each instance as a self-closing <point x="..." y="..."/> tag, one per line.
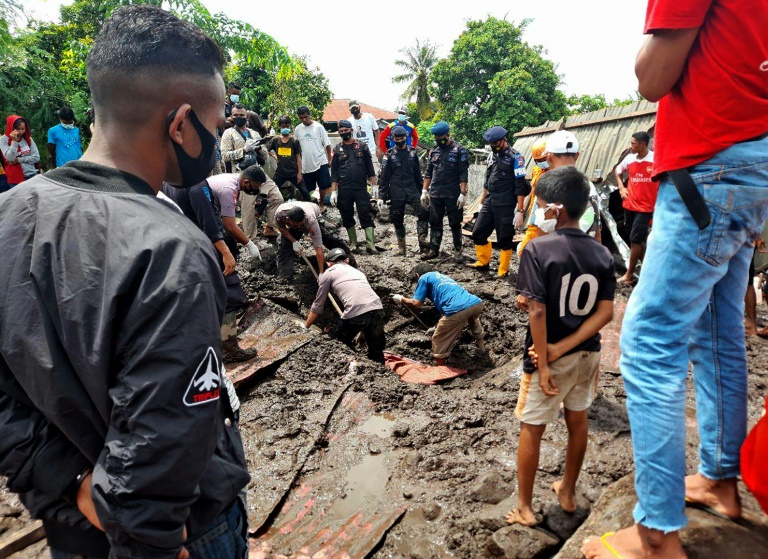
<point x="483" y="257"/>
<point x="505" y="256"/>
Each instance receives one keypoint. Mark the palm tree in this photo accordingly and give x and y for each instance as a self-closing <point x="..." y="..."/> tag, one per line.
<point x="417" y="66"/>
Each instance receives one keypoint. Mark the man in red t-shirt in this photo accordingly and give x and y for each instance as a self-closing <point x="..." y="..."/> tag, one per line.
<point x="706" y="62"/>
<point x="639" y="198"/>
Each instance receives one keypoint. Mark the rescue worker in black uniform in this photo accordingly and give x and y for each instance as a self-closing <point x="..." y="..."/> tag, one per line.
<point x="445" y="189"/>
<point x="117" y="428"/>
<point x="400" y="182"/>
<point x="503" y="201"/>
<point x="351" y="168"/>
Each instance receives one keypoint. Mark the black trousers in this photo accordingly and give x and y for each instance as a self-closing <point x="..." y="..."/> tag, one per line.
<point x="351" y="196"/>
<point x="397" y="214"/>
<point x="500" y="218"/>
<point x="371" y="324"/>
<point x="280" y="179"/>
<point x="286" y="258"/>
<point x="438" y="209"/>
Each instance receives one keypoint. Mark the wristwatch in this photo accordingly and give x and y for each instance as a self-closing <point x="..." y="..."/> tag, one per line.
<point x="519" y="210"/>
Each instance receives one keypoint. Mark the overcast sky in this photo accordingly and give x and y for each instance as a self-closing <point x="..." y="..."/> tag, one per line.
<point x="592" y="42"/>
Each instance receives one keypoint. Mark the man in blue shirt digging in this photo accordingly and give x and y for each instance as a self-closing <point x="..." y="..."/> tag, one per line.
<point x="456" y="305"/>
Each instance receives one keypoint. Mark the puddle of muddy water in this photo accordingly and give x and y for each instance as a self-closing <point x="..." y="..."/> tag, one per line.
<point x="379" y="425"/>
<point x="365" y="485"/>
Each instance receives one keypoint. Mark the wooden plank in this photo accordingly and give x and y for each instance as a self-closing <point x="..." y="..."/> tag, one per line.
<point x="21" y="539"/>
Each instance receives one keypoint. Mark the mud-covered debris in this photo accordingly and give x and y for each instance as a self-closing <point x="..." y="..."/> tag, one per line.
<point x="431" y="511"/>
<point x="400" y="429"/>
<point x="564" y="524"/>
<point x="521" y="542"/>
<point x="490" y="488"/>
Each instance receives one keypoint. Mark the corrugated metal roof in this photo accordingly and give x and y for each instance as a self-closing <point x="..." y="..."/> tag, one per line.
<point x="603" y="135"/>
<point x="338" y="109"/>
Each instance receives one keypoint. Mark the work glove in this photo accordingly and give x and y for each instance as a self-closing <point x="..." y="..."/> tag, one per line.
<point x="425" y="199"/>
<point x="375" y="192"/>
<point x="518" y="222"/>
<point x="334" y="197"/>
<point x="253" y="249"/>
<point x="461" y="201"/>
<point x="250" y="146"/>
<point x="431" y="331"/>
<point x="397" y="298"/>
<point x="380" y="204"/>
<point x="296" y="247"/>
<point x="315" y="195"/>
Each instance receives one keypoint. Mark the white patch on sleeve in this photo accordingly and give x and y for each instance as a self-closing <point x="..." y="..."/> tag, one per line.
<point x="205" y="385"/>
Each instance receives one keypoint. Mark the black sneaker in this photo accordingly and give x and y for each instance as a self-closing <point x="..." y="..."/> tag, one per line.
<point x="431" y="254"/>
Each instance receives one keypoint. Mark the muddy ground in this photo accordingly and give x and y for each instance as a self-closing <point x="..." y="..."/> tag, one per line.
<point x="431" y="468"/>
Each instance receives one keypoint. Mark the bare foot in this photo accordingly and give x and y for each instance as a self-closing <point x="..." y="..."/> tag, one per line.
<point x="721" y="495"/>
<point x="750" y="329"/>
<point x="526" y="518"/>
<point x="567" y="500"/>
<point x="635" y="542"/>
<point x="763" y="332"/>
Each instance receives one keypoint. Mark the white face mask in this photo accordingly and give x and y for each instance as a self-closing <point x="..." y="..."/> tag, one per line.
<point x="542" y="164"/>
<point x="67" y="126"/>
<point x="546" y="225"/>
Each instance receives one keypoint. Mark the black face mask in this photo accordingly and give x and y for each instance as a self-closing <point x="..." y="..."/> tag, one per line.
<point x="443" y="142"/>
<point x="355" y="112"/>
<point x="400" y="143"/>
<point x="239" y="121"/>
<point x="346" y="136"/>
<point x="195" y="169"/>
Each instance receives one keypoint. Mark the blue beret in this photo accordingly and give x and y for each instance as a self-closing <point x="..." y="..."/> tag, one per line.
<point x="494" y="134"/>
<point x="399" y="131"/>
<point x="345" y="124"/>
<point x="440" y="128"/>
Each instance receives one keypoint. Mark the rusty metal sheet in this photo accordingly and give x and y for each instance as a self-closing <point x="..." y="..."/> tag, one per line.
<point x="274" y="332"/>
<point x="611" y="352"/>
<point x="343" y="503"/>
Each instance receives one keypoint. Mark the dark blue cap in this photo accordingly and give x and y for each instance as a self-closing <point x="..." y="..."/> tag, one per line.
<point x="440" y="128"/>
<point x="345" y="124"/>
<point x="399" y="131"/>
<point x="495" y="134"/>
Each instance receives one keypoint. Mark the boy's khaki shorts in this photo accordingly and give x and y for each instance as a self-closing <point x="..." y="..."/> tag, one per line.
<point x="576" y="378"/>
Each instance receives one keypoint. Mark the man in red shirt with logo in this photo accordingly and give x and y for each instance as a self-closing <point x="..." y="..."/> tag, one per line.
<point x="706" y="62"/>
<point x="639" y="198"/>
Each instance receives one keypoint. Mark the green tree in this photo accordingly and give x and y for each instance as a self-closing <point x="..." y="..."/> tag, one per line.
<point x="578" y="104"/>
<point x="302" y="86"/>
<point x="417" y="68"/>
<point x="492" y="76"/>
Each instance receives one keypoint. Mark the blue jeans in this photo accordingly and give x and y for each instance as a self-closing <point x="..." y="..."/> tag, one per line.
<point x="689" y="307"/>
<point x="225" y="539"/>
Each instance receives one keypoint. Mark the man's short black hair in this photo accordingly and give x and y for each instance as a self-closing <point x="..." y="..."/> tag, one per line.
<point x="303" y="110"/>
<point x="296" y="214"/>
<point x="240" y="106"/>
<point x="66" y="113"/>
<point x="567" y="186"/>
<point x="233" y="85"/>
<point x="254" y="173"/>
<point x="284" y="120"/>
<point x="423" y="268"/>
<point x="642" y="137"/>
<point x="141" y="42"/>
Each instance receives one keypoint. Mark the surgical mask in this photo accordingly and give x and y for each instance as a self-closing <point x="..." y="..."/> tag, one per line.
<point x="239" y="121"/>
<point x="346" y="136"/>
<point x="234" y="98"/>
<point x="285" y="131"/>
<point x="195" y="169"/>
<point x="400" y="143"/>
<point x="543" y="164"/>
<point x="442" y="142"/>
<point x="546" y="225"/>
<point x="402" y="118"/>
<point x="67" y="126"/>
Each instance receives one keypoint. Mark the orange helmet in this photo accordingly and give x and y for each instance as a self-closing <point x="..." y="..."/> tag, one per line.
<point x="537" y="150"/>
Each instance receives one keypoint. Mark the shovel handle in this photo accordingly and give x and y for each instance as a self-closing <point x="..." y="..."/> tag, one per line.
<point x="314" y="273"/>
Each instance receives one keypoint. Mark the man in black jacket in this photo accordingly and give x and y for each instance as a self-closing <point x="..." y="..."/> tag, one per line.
<point x="401" y="183"/>
<point x="114" y="414"/>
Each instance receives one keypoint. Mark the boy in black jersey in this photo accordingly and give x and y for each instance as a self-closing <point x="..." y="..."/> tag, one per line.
<point x="569" y="281"/>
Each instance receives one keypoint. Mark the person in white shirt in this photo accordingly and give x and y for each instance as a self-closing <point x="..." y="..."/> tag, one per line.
<point x="365" y="129"/>
<point x="315" y="153"/>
